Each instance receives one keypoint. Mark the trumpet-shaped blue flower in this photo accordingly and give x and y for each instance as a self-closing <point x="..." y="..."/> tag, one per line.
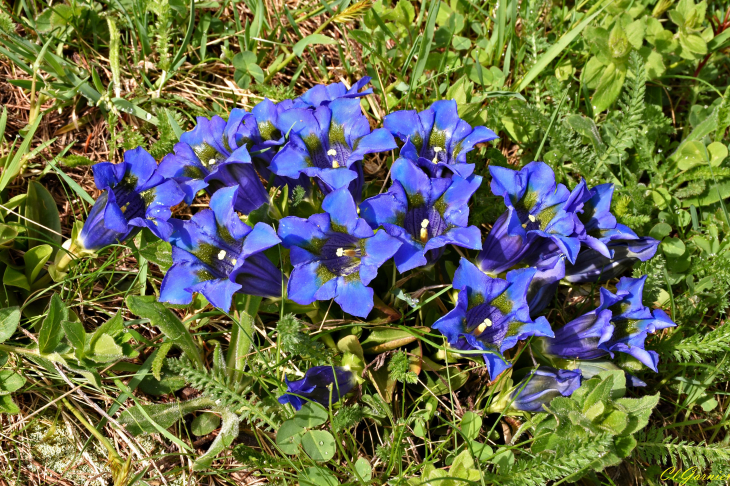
<point x="135" y="196"/>
<point x="550" y="269"/>
<point x="633" y="323"/>
<point x="625" y="249"/>
<point x="335" y="255"/>
<point x="537" y="209"/>
<point x="424" y="213"/>
<point x="542" y="385"/>
<point x="596" y="218"/>
<point x="324" y="94"/>
<point x="329" y="143"/>
<point x="216" y="254"/>
<point x="315" y="386"/>
<point x="582" y="337"/>
<point x="209" y="157"/>
<point x="491" y="314"/>
<point x="437" y="139"/>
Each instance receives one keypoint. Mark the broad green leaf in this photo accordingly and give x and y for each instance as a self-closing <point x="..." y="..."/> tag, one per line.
<point x="313" y="39"/>
<point x="41" y="208"/>
<point x="673" y="247"/>
<point x="51" y="330"/>
<point x="105" y="350"/>
<point x="289" y="437"/>
<point x="158" y="252"/>
<point x="693" y="46"/>
<point x="35" y="259"/>
<point x="616" y="421"/>
<point x="76" y="336"/>
<point x="717" y="153"/>
<point x="660" y="230"/>
<point x="164" y="414"/>
<point x="7" y="235"/>
<point x="639" y="410"/>
<point x="655" y="67"/>
<point x="167" y="322"/>
<point x="9" y="319"/>
<point x="10" y="381"/>
<point x="383" y="339"/>
<point x="205" y="423"/>
<point x="609" y="87"/>
<point x="226" y="436"/>
<point x="460" y="43"/>
<point x="635" y="33"/>
<point x="691" y="154"/>
<point x="350" y="344"/>
<point x="319" y="445"/>
<point x="8" y="406"/>
<point x="363" y="468"/>
<point x="471" y="424"/>
<point x="317" y="476"/>
<point x="111" y="327"/>
<point x="311" y="415"/>
<point x="720" y="41"/>
<point x="624" y="445"/>
<point x="618" y="42"/>
<point x="15" y="278"/>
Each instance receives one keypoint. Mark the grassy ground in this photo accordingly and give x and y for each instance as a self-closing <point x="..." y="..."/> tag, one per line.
<point x="644" y="105"/>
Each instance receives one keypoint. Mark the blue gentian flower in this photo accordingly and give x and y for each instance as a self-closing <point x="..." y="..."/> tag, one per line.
<point x="537" y="209"/>
<point x="542" y="385"/>
<point x="424" y="213"/>
<point x="491" y="314"/>
<point x="209" y="157"/>
<point x="582" y="337"/>
<point x="135" y="196"/>
<point x="324" y="94"/>
<point x="625" y="248"/>
<point x="633" y="323"/>
<point x="216" y="254"/>
<point x="437" y="139"/>
<point x="329" y="143"/>
<point x="596" y="217"/>
<point x="335" y="255"/>
<point x="315" y="386"/>
<point x="549" y="271"/>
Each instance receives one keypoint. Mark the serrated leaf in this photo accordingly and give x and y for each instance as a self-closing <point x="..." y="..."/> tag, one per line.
<point x="319" y="445"/>
<point x="311" y="415"/>
<point x="159" y="360"/>
<point x="51" y="330"/>
<point x="9" y="320"/>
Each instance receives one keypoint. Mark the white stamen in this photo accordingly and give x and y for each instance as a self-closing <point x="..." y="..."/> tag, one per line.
<point x="221" y="254"/>
<point x="435" y="160"/>
<point x="335" y="164"/>
<point x="424" y="231"/>
<point x="211" y="162"/>
<point x="340" y="252"/>
<point x="331" y="152"/>
<point x="233" y="262"/>
<point x="483" y="326"/>
<point x="532" y="218"/>
<point x="424" y="223"/>
<point x="437" y="149"/>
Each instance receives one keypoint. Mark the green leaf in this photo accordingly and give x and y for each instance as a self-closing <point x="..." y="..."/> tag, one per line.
<point x="383" y="339"/>
<point x="13" y="167"/>
<point x="105" y="350"/>
<point x="226" y="436"/>
<point x="471" y="424"/>
<point x="35" y="259"/>
<point x="7" y="235"/>
<point x="111" y="327"/>
<point x="9" y="320"/>
<point x="205" y="423"/>
<point x="159" y="359"/>
<point x="673" y="247"/>
<point x="51" y="330"/>
<point x="130" y="108"/>
<point x="720" y="41"/>
<point x="164" y="414"/>
<point x="319" y="445"/>
<point x="557" y="48"/>
<point x="10" y="381"/>
<point x="313" y="39"/>
<point x="639" y="410"/>
<point x="289" y="436"/>
<point x="159" y="252"/>
<point x="660" y="230"/>
<point x="691" y="154"/>
<point x="163" y="318"/>
<point x="693" y="46"/>
<point x="718" y="153"/>
<point x="15" y="278"/>
<point x="364" y="469"/>
<point x="41" y="208"/>
<point x="76" y="336"/>
<point x="460" y="43"/>
<point x="616" y="421"/>
<point x="317" y="476"/>
<point x="635" y="33"/>
<point x="8" y="406"/>
<point x="425" y="48"/>
<point x="609" y="88"/>
<point x="311" y="415"/>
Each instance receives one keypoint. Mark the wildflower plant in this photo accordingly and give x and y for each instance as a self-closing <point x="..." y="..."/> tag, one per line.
<point x="333" y="255"/>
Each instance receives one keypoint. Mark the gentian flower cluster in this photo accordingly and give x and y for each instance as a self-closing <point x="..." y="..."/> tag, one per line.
<point x="547" y="234"/>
